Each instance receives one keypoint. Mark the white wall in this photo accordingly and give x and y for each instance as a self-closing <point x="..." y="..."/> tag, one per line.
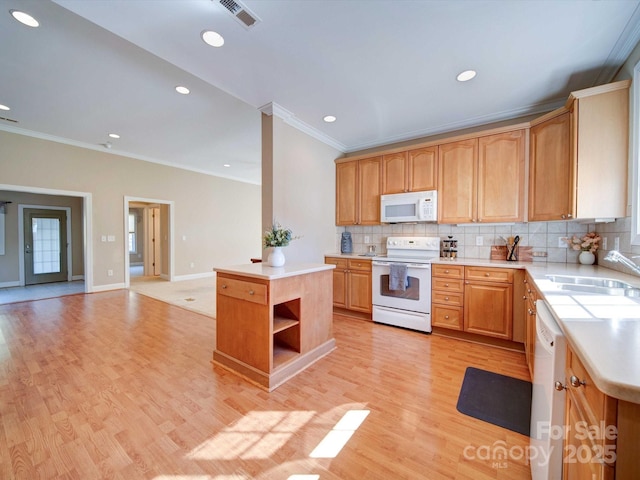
<point x="302" y="191"/>
<point x="217" y="221"/>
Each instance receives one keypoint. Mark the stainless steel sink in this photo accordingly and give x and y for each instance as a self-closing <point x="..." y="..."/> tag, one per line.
<point x="601" y="286"/>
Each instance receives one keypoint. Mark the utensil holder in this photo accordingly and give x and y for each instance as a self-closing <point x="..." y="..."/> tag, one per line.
<point x="512" y="253"/>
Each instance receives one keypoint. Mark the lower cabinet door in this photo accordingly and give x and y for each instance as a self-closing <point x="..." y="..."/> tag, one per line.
<point x="488" y="309"/>
<point x="359" y="291"/>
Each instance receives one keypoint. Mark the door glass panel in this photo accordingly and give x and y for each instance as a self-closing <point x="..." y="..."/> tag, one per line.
<point x="46" y="245"/>
<point x="412" y="292"/>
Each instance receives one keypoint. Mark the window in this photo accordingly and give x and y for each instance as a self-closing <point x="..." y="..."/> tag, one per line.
<point x="635" y="154"/>
<point x="132" y="233"/>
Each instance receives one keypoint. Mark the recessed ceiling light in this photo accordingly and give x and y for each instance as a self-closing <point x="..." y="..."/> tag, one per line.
<point x="182" y="90"/>
<point x="114" y="135"/>
<point x="329" y="119"/>
<point x="466" y="75"/>
<point x="212" y="38"/>
<point x="226" y="165"/>
<point x="4" y="107"/>
<point x="24" y="18"/>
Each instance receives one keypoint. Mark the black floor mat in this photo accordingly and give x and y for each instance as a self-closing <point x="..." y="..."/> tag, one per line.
<point x="497" y="399"/>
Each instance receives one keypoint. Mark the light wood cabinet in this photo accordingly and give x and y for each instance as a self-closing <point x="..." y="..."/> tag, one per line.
<point x="580" y="149"/>
<point x="529" y="298"/>
<point x="351" y="284"/>
<point x="488" y="301"/>
<point x="411" y="171"/>
<point x="358" y="189"/>
<point x="588" y="456"/>
<point x="267" y="330"/>
<point x="447" y="296"/>
<point x="551" y="170"/>
<point x="482" y="179"/>
<point x="457" y="181"/>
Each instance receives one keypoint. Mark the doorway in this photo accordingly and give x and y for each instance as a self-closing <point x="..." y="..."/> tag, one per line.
<point x="45" y="246"/>
<point x="149" y="250"/>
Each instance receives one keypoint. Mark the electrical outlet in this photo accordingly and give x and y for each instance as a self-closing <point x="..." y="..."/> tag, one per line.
<point x="538" y="254"/>
<point x="110" y="273"/>
<point x="616" y="243"/>
<point x="366" y="239"/>
<point x="479" y="241"/>
<point x="604" y="243"/>
<point x="562" y="243"/>
<point x="191" y="265"/>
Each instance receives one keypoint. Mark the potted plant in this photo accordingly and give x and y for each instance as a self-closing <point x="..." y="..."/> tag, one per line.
<point x="276" y="238"/>
<point x="588" y="246"/>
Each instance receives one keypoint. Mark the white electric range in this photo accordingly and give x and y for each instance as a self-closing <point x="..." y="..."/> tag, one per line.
<point x="404" y="304"/>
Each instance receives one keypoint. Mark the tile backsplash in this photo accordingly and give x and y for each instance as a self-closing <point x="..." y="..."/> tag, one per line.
<point x="542" y="236"/>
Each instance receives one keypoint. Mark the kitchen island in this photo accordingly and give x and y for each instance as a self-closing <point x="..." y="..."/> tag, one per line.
<point x="272" y="323"/>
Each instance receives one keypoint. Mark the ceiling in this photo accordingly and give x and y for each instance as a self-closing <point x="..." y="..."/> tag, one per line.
<point x="385" y="68"/>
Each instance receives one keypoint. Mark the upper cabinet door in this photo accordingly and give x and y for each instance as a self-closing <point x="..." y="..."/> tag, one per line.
<point x="347" y="193"/>
<point x="370" y="178"/>
<point x="501" y="164"/>
<point x="423" y="169"/>
<point x="551" y="173"/>
<point x="394" y="173"/>
<point x="457" y="181"/>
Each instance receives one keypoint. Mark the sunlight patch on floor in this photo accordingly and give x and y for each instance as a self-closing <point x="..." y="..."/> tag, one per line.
<point x="337" y="438"/>
<point x="258" y="435"/>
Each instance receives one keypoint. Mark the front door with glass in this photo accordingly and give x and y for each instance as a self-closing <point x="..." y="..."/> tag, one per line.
<point x="45" y="246"/>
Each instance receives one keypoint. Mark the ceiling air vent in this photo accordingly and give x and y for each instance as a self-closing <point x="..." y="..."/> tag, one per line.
<point x="240" y="12"/>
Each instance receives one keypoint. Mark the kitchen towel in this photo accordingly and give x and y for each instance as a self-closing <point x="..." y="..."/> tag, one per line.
<point x="398" y="276"/>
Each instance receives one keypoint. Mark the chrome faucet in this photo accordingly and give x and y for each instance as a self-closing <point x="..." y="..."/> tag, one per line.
<point x="616" y="256"/>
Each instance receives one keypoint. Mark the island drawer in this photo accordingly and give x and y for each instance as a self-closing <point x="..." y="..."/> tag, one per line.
<point x="450" y="271"/>
<point x="249" y="291"/>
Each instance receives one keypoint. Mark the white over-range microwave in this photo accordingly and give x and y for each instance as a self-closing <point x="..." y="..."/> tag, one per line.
<point x="409" y="207"/>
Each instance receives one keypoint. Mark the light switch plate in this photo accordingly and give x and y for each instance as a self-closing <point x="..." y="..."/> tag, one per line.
<point x="562" y="242"/>
<point x="479" y="241"/>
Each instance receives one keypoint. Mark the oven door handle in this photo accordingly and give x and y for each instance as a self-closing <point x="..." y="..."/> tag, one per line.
<point x="424" y="266"/>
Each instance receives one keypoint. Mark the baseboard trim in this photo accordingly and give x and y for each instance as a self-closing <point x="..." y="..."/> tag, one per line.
<point x="106" y="288"/>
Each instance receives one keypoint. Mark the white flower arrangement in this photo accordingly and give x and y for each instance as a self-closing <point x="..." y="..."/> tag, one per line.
<point x="277" y="236"/>
<point x="589" y="243"/>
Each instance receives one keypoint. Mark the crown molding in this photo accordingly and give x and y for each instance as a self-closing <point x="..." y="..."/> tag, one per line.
<point x="273" y="109"/>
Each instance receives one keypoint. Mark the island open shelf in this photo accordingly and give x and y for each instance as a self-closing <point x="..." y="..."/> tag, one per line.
<point x="273" y="323"/>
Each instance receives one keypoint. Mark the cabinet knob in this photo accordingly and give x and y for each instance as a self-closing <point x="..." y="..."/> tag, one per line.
<point x="446" y="317"/>
<point x="559" y="386"/>
<point x="487" y="274"/>
<point x="224" y="286"/>
<point x="524" y="297"/>
<point x="531" y="312"/>
<point x="446" y="271"/>
<point x="576" y="382"/>
<point x="563" y="216"/>
<point x="569" y="215"/>
<point x="251" y="292"/>
<point x="446" y="299"/>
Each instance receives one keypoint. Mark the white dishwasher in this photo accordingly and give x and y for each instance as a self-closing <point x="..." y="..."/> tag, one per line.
<point x="547" y="403"/>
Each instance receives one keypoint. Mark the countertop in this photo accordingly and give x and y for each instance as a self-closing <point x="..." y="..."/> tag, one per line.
<point x="603" y="330"/>
<point x="265" y="272"/>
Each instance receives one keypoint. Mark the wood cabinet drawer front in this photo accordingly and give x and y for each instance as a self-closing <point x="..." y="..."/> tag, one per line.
<point x="338" y="262"/>
<point x="449" y="271"/>
<point x="252" y="292"/>
<point x="447" y="317"/>
<point x="362" y="265"/>
<point x="446" y="284"/>
<point x="589" y="392"/>
<point x="489" y="274"/>
<point x="448" y="298"/>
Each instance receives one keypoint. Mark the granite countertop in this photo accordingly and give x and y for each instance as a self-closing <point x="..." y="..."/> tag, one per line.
<point x="265" y="272"/>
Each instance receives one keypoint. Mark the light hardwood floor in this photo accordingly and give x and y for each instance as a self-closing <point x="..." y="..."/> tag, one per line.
<point x="119" y="385"/>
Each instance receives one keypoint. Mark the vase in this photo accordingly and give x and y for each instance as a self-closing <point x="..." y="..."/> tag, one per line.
<point x="586" y="258"/>
<point x="276" y="257"/>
